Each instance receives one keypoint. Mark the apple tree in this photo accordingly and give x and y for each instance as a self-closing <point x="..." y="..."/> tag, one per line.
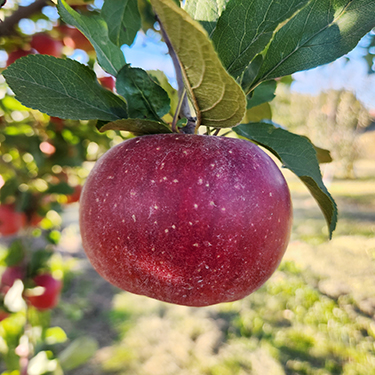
<point x="228" y="58"/>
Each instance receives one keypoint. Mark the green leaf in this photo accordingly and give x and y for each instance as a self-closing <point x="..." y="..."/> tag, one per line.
<point x="123" y="20"/>
<point x="320" y="33"/>
<point x="62" y="88"/>
<point x="246" y="27"/>
<point x="217" y="98"/>
<point x="145" y="98"/>
<point x="265" y="92"/>
<point x="206" y="12"/>
<point x="110" y="57"/>
<point x="136" y="126"/>
<point x="250" y="73"/>
<point x="162" y="79"/>
<point x="60" y="188"/>
<point x="298" y="154"/>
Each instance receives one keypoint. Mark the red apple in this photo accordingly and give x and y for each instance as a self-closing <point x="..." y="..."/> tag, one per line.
<point x="74" y="197"/>
<point x="3" y="315"/>
<point x="9" y="276"/>
<point x="49" y="298"/>
<point x="11" y="221"/>
<point x="74" y="39"/>
<point x="46" y="45"/>
<point x="15" y="55"/>
<point x="188" y="219"/>
<point x="107" y="82"/>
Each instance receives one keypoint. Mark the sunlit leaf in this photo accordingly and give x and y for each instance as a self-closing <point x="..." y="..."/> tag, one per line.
<point x="62" y="88"/>
<point x="206" y="12"/>
<point x="246" y="27"/>
<point x="320" y="33"/>
<point x="218" y="100"/>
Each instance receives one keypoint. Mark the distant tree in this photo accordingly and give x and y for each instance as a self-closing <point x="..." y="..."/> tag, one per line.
<point x="334" y="120"/>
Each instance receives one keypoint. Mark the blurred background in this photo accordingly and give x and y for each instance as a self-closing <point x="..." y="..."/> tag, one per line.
<point x="315" y="316"/>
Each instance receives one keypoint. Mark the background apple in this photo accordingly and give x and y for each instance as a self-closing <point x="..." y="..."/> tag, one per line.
<point x="11" y="221"/>
<point x="46" y="45"/>
<point x="188" y="219"/>
<point x="50" y="296"/>
<point x="9" y="276"/>
<point x="107" y="82"/>
<point x="18" y="53"/>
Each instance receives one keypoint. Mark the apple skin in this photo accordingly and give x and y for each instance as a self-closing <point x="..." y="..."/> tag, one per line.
<point x="187" y="219"/>
<point x="50" y="297"/>
<point x="11" y="221"/>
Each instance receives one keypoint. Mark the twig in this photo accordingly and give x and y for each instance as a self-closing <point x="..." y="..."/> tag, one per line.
<point x="8" y="26"/>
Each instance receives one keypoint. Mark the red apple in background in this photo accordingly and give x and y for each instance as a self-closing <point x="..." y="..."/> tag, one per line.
<point x="49" y="298"/>
<point x="9" y="276"/>
<point x="15" y="55"/>
<point x="3" y="315"/>
<point x="188" y="219"/>
<point x="74" y="197"/>
<point x="73" y="38"/>
<point x="11" y="221"/>
<point x="46" y="45"/>
<point x="107" y="82"/>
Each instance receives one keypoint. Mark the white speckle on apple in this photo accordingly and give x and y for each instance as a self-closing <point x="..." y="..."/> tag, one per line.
<point x="195" y="206"/>
<point x="133" y="216"/>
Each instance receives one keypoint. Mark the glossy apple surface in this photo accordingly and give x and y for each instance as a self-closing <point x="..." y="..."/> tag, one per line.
<point x="11" y="221"/>
<point x="50" y="296"/>
<point x="188" y="219"/>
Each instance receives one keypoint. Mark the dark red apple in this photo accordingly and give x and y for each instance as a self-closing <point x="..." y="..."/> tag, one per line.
<point x="3" y="314"/>
<point x="15" y="55"/>
<point x="11" y="221"/>
<point x="46" y="45"/>
<point x="108" y="82"/>
<point x="9" y="276"/>
<point x="49" y="298"/>
<point x="188" y="219"/>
